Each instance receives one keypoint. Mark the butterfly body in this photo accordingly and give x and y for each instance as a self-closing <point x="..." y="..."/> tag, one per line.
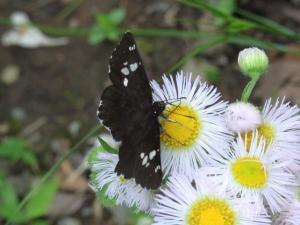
<point x="127" y="109"/>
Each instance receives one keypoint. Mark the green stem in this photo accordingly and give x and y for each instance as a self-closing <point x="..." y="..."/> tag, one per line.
<point x="55" y="167"/>
<point x="248" y="89"/>
<point x="198" y="50"/>
<point x="144" y="32"/>
<point x="153" y="32"/>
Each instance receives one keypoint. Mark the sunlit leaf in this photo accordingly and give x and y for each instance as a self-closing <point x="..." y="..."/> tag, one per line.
<point x="9" y="202"/>
<point x="40" y="201"/>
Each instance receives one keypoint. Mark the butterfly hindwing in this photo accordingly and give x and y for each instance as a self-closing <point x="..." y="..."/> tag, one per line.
<point x="126" y="109"/>
<point x="145" y="160"/>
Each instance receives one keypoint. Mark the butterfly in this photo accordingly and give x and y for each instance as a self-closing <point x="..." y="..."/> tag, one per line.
<point x="128" y="111"/>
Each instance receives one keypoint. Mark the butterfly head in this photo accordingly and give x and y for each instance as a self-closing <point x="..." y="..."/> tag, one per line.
<point x="158" y="107"/>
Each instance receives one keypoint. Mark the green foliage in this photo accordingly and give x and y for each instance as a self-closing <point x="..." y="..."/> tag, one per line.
<point x="9" y="201"/>
<point x="106" y="26"/>
<point x="269" y="25"/>
<point x="107" y="147"/>
<point x="35" y="208"/>
<point x="15" y="149"/>
<point x="41" y="200"/>
<point x="40" y="222"/>
<point x="92" y="158"/>
<point x="140" y="218"/>
<point x="227" y="7"/>
<point x="104" y="199"/>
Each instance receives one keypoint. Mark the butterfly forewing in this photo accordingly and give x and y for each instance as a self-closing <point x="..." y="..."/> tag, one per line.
<point x="126" y="110"/>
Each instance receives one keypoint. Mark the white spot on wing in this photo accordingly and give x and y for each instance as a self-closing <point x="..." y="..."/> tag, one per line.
<point x="142" y="155"/>
<point x="152" y="154"/>
<point x="125" y="71"/>
<point x="125" y="63"/>
<point x="133" y="67"/>
<point x="108" y="68"/>
<point x="157" y="168"/>
<point x="125" y="82"/>
<point x="131" y="48"/>
<point x="148" y="164"/>
<point x="145" y="160"/>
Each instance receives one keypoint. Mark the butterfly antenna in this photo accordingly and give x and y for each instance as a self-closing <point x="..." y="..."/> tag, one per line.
<point x="171" y="100"/>
<point x="171" y="112"/>
<point x="176" y="107"/>
<point x="174" y="121"/>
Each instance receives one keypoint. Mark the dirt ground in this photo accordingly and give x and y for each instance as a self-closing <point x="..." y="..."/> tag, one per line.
<point x="59" y="88"/>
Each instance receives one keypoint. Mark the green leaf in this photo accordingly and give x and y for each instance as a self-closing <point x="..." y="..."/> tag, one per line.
<point x="9" y="202"/>
<point x="269" y="25"/>
<point x="104" y="199"/>
<point x="96" y="35"/>
<point x="107" y="147"/>
<point x="106" y="26"/>
<point x="92" y="156"/>
<point x="40" y="201"/>
<point x="227" y="7"/>
<point x="100" y="193"/>
<point x="140" y="218"/>
<point x="16" y="149"/>
<point x="117" y="16"/>
<point x="238" y="25"/>
<point x="40" y="222"/>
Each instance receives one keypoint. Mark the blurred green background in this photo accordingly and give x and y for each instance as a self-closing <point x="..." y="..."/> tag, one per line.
<point x="49" y="95"/>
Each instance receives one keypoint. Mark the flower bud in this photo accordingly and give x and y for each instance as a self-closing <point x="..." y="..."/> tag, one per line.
<point x="242" y="117"/>
<point x="253" y="62"/>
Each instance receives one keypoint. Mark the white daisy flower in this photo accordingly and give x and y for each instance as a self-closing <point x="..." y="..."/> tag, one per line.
<point x="124" y="191"/>
<point x="183" y="203"/>
<point x="291" y="214"/>
<point x="255" y="172"/>
<point x="281" y="125"/>
<point x="242" y="117"/>
<point x="26" y="35"/>
<point x="193" y="126"/>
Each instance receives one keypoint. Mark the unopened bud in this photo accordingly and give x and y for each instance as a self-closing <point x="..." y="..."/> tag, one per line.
<point x="253" y="62"/>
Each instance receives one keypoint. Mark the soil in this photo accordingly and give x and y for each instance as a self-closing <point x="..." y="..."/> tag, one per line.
<point x="62" y="85"/>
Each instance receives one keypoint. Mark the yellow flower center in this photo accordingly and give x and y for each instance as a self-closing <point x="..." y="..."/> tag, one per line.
<point x="211" y="211"/>
<point x="181" y="126"/>
<point x="265" y="130"/>
<point x="249" y="172"/>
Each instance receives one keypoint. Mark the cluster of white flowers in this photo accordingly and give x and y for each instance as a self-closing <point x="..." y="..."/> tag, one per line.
<point x="223" y="164"/>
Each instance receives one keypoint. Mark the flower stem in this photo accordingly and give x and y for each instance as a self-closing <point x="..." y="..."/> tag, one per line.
<point x="142" y="32"/>
<point x="248" y="89"/>
<point x="55" y="167"/>
<point x="214" y="41"/>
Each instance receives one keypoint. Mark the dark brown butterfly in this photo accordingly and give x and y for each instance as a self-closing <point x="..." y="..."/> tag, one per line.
<point x="128" y="111"/>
